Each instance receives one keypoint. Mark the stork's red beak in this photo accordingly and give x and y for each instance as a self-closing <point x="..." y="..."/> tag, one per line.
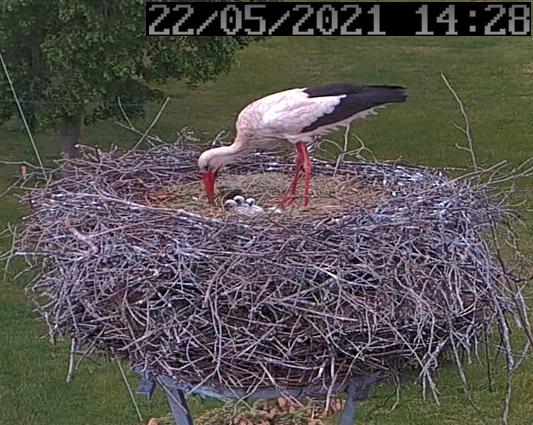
<point x="209" y="185"/>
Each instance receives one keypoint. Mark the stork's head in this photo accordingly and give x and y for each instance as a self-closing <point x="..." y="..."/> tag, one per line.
<point x="210" y="163"/>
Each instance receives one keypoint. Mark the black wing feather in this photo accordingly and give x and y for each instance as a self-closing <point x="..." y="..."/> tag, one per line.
<point x="358" y="99"/>
<point x="332" y="89"/>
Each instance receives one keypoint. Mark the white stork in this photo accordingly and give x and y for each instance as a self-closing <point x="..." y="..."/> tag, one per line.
<point x="296" y="116"/>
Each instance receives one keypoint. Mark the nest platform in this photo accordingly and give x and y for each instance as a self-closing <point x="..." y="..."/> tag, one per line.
<point x="389" y="268"/>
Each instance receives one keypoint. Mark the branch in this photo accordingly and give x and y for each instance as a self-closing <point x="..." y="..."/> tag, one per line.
<point x="23" y="116"/>
<point x="466" y="128"/>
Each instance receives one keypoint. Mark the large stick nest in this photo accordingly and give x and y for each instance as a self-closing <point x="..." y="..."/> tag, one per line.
<point x="398" y="273"/>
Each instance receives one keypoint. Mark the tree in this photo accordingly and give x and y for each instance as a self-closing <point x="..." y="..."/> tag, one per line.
<point x="71" y="59"/>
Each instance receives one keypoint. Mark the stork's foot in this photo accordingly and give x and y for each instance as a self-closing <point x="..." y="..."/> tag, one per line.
<point x="290" y="200"/>
<point x="287" y="200"/>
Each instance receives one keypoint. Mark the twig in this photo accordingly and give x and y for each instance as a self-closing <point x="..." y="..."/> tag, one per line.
<point x="487" y="356"/>
<point x="23" y="116"/>
<point x="130" y="392"/>
<point x="466" y="128"/>
<point x="80" y="236"/>
<point x="72" y="353"/>
<point x="153" y="123"/>
<point x="341" y="154"/>
<point x="123" y="112"/>
<point x="465" y="382"/>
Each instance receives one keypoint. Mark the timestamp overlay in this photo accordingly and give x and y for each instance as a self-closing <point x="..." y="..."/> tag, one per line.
<point x="283" y="18"/>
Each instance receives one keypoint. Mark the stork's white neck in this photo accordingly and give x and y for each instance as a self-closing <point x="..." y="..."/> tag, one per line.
<point x="216" y="158"/>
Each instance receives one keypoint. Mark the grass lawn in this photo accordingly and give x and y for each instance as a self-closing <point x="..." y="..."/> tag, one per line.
<point x="494" y="76"/>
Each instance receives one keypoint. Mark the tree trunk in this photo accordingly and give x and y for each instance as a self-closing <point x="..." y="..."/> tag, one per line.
<point x="70" y="135"/>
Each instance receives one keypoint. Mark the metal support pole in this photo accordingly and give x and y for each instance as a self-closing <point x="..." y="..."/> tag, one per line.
<point x="146" y="387"/>
<point x="356" y="391"/>
<point x="178" y="405"/>
<point x="348" y="413"/>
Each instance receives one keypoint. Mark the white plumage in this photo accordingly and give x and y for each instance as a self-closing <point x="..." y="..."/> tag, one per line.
<point x="296" y="116"/>
<point x="241" y="206"/>
<point x="282" y="116"/>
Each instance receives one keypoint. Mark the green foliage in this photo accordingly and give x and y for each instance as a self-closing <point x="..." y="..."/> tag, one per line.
<point x="73" y="58"/>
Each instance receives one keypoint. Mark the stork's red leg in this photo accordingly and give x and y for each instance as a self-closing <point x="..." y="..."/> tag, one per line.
<point x="308" y="169"/>
<point x="289" y="197"/>
<point x="297" y="171"/>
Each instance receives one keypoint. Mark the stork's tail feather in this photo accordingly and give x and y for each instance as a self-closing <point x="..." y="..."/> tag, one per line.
<point x="395" y="93"/>
<point x="354" y="101"/>
<point x="385" y="94"/>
